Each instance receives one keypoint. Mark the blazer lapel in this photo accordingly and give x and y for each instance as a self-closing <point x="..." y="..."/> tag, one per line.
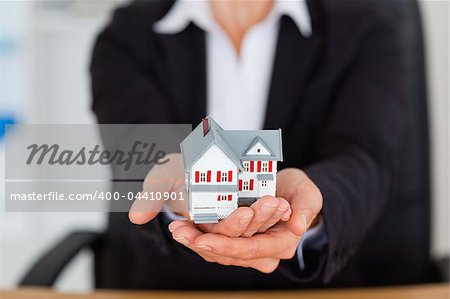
<point x="185" y="73"/>
<point x="295" y="57"/>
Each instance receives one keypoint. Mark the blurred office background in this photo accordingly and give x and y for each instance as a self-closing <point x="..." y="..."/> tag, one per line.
<point x="45" y="49"/>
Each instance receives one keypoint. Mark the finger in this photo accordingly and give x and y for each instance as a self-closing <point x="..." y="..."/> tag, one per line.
<point x="160" y="179"/>
<point x="265" y="265"/>
<point x="287" y="215"/>
<point x="305" y="207"/>
<point x="187" y="234"/>
<point x="178" y="202"/>
<point x="144" y="210"/>
<point x="176" y="224"/>
<point x="303" y="195"/>
<point x="223" y="260"/>
<point x="282" y="210"/>
<point x="272" y="244"/>
<point x="233" y="225"/>
<point x="145" y="207"/>
<point x="263" y="208"/>
<point x="184" y="232"/>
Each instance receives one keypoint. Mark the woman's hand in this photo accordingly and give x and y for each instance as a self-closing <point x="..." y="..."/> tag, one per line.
<point x="169" y="177"/>
<point x="261" y="251"/>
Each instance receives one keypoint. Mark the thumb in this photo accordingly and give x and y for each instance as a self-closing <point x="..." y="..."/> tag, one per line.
<point x="144" y="210"/>
<point x="300" y="220"/>
<point x="306" y="204"/>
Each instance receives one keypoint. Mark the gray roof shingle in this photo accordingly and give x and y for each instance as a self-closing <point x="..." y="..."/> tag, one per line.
<point x="234" y="143"/>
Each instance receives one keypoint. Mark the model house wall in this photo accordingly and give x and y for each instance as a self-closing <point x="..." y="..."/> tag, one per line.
<point x="252" y="186"/>
<point x="210" y="179"/>
<point x="227" y="168"/>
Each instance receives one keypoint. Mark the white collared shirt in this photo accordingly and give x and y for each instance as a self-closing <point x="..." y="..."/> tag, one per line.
<point x="237" y="86"/>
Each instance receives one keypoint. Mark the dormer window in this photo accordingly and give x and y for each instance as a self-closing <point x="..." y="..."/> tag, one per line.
<point x="258" y="147"/>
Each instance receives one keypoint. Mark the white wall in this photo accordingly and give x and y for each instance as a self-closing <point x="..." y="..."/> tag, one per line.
<point x="50" y="84"/>
<point x="435" y="14"/>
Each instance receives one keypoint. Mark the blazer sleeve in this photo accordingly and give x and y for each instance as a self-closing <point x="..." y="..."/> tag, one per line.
<point x="126" y="89"/>
<point x="358" y="146"/>
<point x="124" y="72"/>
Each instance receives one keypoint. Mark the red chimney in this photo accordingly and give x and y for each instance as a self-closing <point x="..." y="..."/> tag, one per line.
<point x="205" y="126"/>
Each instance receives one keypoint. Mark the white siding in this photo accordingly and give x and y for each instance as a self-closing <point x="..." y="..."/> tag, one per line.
<point x="269" y="189"/>
<point x="258" y="190"/>
<point x="206" y="202"/>
<point x="214" y="160"/>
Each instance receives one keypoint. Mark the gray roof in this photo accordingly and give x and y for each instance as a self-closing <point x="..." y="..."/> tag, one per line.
<point x="242" y="141"/>
<point x="233" y="143"/>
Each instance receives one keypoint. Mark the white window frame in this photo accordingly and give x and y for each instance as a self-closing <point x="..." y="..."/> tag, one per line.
<point x="246" y="166"/>
<point x="245" y="185"/>
<point x="264" y="166"/>
<point x="224" y="176"/>
<point x="202" y="177"/>
<point x="264" y="183"/>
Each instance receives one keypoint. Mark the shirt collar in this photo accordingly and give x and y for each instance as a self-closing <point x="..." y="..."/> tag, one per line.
<point x="198" y="11"/>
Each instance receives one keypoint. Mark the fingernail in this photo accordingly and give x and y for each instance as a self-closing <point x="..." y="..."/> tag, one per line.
<point x="171" y="229"/>
<point x="267" y="208"/>
<point x="182" y="240"/>
<point x="204" y="247"/>
<point x="245" y="220"/>
<point x="286" y="216"/>
<point x="282" y="209"/>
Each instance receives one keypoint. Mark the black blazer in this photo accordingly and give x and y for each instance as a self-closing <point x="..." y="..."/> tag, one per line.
<point x="337" y="95"/>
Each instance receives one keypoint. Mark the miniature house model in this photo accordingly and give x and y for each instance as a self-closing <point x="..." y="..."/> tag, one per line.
<point x="224" y="168"/>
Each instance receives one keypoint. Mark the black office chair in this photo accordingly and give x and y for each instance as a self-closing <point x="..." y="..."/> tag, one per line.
<point x="409" y="211"/>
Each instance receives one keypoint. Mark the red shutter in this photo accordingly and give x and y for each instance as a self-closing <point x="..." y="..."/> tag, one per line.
<point x="240" y="185"/>
<point x="197" y="176"/>
<point x="259" y="166"/>
<point x="251" y="185"/>
<point x="218" y="176"/>
<point x="218" y="197"/>
<point x="230" y="176"/>
<point x="252" y="166"/>
<point x="208" y="176"/>
<point x="270" y="166"/>
<point x="230" y="197"/>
